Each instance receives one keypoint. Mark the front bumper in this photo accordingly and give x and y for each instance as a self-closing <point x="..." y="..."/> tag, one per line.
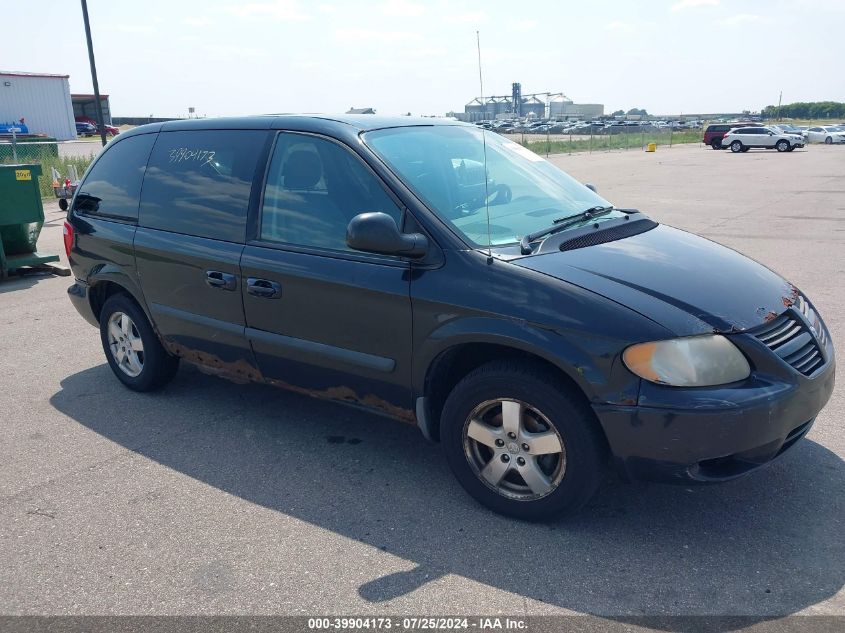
<point x="713" y="434"/>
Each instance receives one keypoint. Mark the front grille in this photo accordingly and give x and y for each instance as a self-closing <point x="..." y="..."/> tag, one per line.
<point x="790" y="337"/>
<point x="813" y="319"/>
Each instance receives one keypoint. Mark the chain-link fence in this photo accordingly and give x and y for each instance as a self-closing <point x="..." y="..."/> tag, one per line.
<point x="60" y="161"/>
<point x="602" y="139"/>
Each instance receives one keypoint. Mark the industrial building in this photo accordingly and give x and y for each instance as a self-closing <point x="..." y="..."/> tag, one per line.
<point x="41" y="100"/>
<point x="540" y="105"/>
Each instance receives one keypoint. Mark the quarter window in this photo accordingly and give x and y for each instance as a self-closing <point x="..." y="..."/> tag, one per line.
<point x="112" y="186"/>
<point x="199" y="182"/>
<point x="314" y="188"/>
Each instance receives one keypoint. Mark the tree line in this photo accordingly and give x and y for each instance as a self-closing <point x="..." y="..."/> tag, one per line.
<point x="806" y="110"/>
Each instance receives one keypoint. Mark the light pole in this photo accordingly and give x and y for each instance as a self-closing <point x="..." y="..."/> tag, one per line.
<point x="98" y="105"/>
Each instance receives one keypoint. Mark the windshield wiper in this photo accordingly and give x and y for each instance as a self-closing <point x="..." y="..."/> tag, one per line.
<point x="561" y="224"/>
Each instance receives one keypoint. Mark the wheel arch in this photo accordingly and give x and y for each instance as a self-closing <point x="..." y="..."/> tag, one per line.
<point x="442" y="366"/>
<point x="108" y="281"/>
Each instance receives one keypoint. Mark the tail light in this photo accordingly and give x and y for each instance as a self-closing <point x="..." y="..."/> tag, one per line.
<point x="67" y="234"/>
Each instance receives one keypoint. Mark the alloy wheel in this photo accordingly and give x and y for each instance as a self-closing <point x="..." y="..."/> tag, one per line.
<point x="514" y="449"/>
<point x="125" y="344"/>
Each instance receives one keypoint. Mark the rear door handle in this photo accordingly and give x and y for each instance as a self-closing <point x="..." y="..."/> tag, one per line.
<point x="263" y="288"/>
<point x="218" y="279"/>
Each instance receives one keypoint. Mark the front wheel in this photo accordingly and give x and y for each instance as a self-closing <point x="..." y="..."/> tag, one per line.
<point x="716" y="143"/>
<point x="63" y="204"/>
<point x="521" y="442"/>
<point x="736" y="147"/>
<point x="782" y="146"/>
<point x="133" y="350"/>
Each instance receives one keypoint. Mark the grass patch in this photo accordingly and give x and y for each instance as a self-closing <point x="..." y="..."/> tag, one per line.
<point x="47" y="162"/>
<point x="606" y="142"/>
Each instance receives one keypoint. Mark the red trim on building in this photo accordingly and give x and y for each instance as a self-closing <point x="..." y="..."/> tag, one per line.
<point x="4" y="73"/>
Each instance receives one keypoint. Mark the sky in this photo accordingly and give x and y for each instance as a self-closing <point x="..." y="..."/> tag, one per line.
<point x="223" y="57"/>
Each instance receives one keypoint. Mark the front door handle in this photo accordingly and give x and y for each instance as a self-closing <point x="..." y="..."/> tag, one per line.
<point x="218" y="279"/>
<point x="263" y="288"/>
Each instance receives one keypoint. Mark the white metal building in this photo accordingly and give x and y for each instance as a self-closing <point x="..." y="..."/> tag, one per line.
<point x="41" y="100"/>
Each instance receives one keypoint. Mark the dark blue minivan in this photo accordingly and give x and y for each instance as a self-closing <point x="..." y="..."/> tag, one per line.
<point x="444" y="276"/>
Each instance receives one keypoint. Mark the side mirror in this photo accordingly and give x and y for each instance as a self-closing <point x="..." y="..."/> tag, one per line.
<point x="85" y="202"/>
<point x="590" y="187"/>
<point x="376" y="232"/>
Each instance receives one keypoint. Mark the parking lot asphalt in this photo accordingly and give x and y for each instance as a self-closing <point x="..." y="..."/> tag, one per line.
<point x="216" y="498"/>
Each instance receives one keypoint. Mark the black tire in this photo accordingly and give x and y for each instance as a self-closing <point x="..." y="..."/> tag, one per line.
<point x="782" y="146"/>
<point x="159" y="367"/>
<point x="716" y="143"/>
<point x="576" y="426"/>
<point x="63" y="204"/>
<point x="791" y="148"/>
<point x="736" y="147"/>
<point x="745" y="149"/>
<point x="828" y="140"/>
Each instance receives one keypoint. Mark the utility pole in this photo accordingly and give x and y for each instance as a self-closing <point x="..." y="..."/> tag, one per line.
<point x="780" y="98"/>
<point x="99" y="106"/>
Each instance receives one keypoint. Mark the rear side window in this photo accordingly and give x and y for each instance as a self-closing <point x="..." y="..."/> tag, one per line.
<point x="199" y="182"/>
<point x="112" y="186"/>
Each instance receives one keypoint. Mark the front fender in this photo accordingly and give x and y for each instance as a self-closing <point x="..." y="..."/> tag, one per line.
<point x="592" y="363"/>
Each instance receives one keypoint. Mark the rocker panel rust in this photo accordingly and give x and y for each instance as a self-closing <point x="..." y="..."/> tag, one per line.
<point x="242" y="372"/>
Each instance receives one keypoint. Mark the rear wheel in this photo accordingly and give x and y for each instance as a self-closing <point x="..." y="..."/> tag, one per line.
<point x="63" y="204"/>
<point x="782" y="146"/>
<point x="522" y="443"/>
<point x="828" y="140"/>
<point x="133" y="350"/>
<point x="736" y="147"/>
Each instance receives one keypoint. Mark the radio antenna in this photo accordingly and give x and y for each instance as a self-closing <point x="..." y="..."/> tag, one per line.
<point x="484" y="142"/>
<point x="480" y="80"/>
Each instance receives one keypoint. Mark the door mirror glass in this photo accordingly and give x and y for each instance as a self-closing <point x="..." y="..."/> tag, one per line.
<point x="377" y="232"/>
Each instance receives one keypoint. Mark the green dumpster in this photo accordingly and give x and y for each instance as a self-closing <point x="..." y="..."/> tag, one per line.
<point x="21" y="218"/>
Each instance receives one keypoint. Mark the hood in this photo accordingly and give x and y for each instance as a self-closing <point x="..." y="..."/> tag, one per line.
<point x="686" y="283"/>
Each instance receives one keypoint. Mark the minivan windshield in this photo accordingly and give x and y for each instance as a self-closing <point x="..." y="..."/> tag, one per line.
<point x="463" y="173"/>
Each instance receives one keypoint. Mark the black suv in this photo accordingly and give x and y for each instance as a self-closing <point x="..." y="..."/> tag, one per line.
<point x="448" y="277"/>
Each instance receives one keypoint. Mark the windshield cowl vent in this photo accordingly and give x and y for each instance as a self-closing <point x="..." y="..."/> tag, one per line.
<point x="600" y="236"/>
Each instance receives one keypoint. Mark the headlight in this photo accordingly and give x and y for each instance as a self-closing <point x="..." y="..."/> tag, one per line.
<point x="695" y="361"/>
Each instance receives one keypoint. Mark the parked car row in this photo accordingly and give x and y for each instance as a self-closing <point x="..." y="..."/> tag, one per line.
<point x="743" y="136"/>
<point x="546" y="126"/>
